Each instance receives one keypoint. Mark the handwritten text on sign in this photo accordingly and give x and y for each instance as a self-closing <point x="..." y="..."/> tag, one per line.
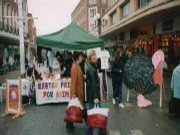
<point x="53" y="91"/>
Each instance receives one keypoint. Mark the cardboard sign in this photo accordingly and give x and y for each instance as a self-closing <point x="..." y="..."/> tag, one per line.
<point x="13" y="93"/>
<point x="25" y="87"/>
<point x="104" y="59"/>
<point x="53" y="91"/>
<point x="13" y="98"/>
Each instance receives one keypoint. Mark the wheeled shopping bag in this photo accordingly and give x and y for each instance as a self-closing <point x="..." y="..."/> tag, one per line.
<point x="74" y="111"/>
<point x="97" y="118"/>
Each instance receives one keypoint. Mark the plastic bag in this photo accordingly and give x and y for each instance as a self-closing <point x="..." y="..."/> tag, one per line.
<point x="97" y="117"/>
<point x="74" y="111"/>
<point x="75" y="102"/>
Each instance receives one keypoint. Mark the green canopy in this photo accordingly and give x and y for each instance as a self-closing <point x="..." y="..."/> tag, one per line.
<point x="71" y="37"/>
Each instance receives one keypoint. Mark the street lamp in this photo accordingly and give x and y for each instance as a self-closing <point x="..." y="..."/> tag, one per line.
<point x="100" y="22"/>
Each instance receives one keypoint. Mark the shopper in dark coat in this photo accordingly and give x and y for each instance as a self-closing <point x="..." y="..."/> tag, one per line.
<point x="92" y="83"/>
<point x="117" y="76"/>
<point x="92" y="87"/>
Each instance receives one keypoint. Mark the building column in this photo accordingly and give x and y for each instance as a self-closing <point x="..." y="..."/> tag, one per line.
<point x="134" y="5"/>
<point x="109" y="23"/>
<point x="119" y="13"/>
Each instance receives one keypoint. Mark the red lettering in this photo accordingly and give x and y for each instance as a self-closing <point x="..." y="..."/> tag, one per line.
<point x="44" y="94"/>
<point x="52" y="85"/>
<point x="65" y="84"/>
<point x="57" y="94"/>
<point x="42" y="85"/>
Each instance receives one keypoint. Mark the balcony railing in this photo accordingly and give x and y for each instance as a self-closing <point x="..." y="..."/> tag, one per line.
<point x="12" y="30"/>
<point x="17" y="31"/>
<point x="9" y="29"/>
<point x="5" y="27"/>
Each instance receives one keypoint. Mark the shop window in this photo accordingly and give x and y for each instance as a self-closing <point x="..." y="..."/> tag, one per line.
<point x="142" y="3"/>
<point x="126" y="9"/>
<point x="133" y="34"/>
<point x="167" y="25"/>
<point x="170" y="45"/>
<point x="121" y="36"/>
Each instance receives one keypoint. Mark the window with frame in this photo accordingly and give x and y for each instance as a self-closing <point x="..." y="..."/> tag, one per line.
<point x="142" y="3"/>
<point x="114" y="17"/>
<point x="92" y="12"/>
<point x="103" y="12"/>
<point x="92" y="26"/>
<point x="92" y="2"/>
<point x="126" y="9"/>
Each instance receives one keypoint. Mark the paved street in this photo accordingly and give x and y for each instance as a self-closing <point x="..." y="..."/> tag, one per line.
<point x="48" y="119"/>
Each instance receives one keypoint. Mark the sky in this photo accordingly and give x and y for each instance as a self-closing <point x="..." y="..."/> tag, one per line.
<point x="53" y="15"/>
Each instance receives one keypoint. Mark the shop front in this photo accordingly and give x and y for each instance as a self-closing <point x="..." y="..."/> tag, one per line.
<point x="170" y="45"/>
<point x="147" y="40"/>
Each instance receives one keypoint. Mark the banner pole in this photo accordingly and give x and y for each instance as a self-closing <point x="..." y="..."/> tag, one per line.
<point x="128" y="95"/>
<point x="160" y="102"/>
<point x="106" y="84"/>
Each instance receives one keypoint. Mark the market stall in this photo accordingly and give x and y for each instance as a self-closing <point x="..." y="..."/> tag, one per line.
<point x="54" y="88"/>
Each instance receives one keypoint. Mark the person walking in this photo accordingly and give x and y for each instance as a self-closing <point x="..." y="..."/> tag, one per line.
<point x="92" y="86"/>
<point x="77" y="83"/>
<point x="117" y="76"/>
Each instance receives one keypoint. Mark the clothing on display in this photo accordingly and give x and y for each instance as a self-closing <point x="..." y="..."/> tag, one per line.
<point x="50" y="56"/>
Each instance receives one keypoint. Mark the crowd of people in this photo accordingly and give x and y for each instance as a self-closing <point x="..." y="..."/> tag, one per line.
<point x="90" y="76"/>
<point x="82" y="68"/>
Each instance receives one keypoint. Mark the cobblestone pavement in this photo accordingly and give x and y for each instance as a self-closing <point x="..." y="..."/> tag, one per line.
<point x="48" y="119"/>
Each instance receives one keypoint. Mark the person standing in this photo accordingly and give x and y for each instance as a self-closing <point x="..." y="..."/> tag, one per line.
<point x="50" y="56"/>
<point x="117" y="76"/>
<point x="105" y="66"/>
<point x="77" y="82"/>
<point x="92" y="85"/>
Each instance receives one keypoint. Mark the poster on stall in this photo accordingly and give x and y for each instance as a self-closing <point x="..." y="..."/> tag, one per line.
<point x="53" y="91"/>
<point x="13" y="98"/>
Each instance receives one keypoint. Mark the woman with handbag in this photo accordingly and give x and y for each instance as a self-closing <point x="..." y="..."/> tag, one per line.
<point x="77" y="82"/>
<point x="92" y="85"/>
